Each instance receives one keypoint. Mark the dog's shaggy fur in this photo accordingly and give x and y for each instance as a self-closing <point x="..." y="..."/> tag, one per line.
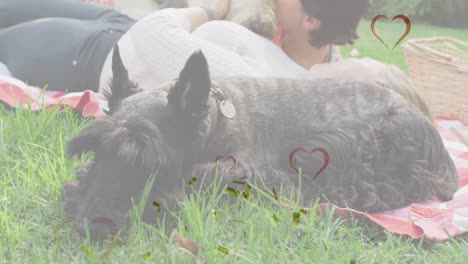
<point x="384" y="153"/>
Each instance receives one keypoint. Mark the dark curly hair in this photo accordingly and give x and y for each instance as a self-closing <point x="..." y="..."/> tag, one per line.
<point x="338" y="20"/>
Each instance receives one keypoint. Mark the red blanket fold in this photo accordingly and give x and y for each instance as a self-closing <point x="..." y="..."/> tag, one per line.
<point x="16" y="93"/>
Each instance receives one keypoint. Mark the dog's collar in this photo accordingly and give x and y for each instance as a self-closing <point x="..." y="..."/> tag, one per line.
<point x="218" y="94"/>
<point x="219" y="97"/>
<point x="225" y="106"/>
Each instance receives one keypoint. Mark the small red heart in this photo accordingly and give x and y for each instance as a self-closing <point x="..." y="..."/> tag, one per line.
<point x="234" y="161"/>
<point x="402" y="17"/>
<point x="321" y="150"/>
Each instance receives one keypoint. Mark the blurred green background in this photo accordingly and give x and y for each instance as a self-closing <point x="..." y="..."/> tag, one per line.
<point x="448" y="13"/>
<point x="430" y="18"/>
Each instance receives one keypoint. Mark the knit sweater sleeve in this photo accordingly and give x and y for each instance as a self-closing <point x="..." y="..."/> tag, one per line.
<point x="163" y="43"/>
<point x="157" y="47"/>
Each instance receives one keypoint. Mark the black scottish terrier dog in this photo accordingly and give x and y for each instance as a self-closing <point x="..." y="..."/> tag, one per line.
<point x="379" y="151"/>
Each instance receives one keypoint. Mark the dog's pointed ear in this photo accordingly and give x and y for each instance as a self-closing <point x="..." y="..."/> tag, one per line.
<point x="121" y="86"/>
<point x="190" y="92"/>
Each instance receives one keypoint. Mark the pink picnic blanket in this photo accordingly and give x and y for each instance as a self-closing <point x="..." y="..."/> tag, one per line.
<point x="432" y="220"/>
<point x="16" y="93"/>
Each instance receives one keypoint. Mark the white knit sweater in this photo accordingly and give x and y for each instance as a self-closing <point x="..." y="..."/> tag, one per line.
<point x="156" y="48"/>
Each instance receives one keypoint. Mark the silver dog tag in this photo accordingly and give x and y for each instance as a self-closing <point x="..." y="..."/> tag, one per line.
<point x="227" y="109"/>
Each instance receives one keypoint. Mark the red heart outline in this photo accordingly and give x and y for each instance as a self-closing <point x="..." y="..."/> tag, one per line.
<point x="402" y="17"/>
<point x="321" y="150"/>
<point x="234" y="161"/>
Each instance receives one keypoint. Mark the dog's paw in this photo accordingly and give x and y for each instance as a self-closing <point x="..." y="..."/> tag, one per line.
<point x="70" y="197"/>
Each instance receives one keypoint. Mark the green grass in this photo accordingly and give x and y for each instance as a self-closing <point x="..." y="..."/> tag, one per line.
<point x="33" y="167"/>
<point x="370" y="46"/>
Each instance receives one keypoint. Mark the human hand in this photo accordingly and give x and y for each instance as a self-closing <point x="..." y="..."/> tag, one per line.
<point x="220" y="7"/>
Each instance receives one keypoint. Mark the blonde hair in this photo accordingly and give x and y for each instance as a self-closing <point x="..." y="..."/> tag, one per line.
<point x="393" y="78"/>
<point x="375" y="72"/>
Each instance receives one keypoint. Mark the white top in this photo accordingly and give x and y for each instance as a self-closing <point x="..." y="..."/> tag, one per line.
<point x="156" y="48"/>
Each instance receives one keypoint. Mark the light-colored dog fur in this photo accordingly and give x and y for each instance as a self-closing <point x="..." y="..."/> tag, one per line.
<point x="256" y="15"/>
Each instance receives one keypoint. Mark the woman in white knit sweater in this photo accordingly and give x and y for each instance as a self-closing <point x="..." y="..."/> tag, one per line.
<point x="155" y="48"/>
